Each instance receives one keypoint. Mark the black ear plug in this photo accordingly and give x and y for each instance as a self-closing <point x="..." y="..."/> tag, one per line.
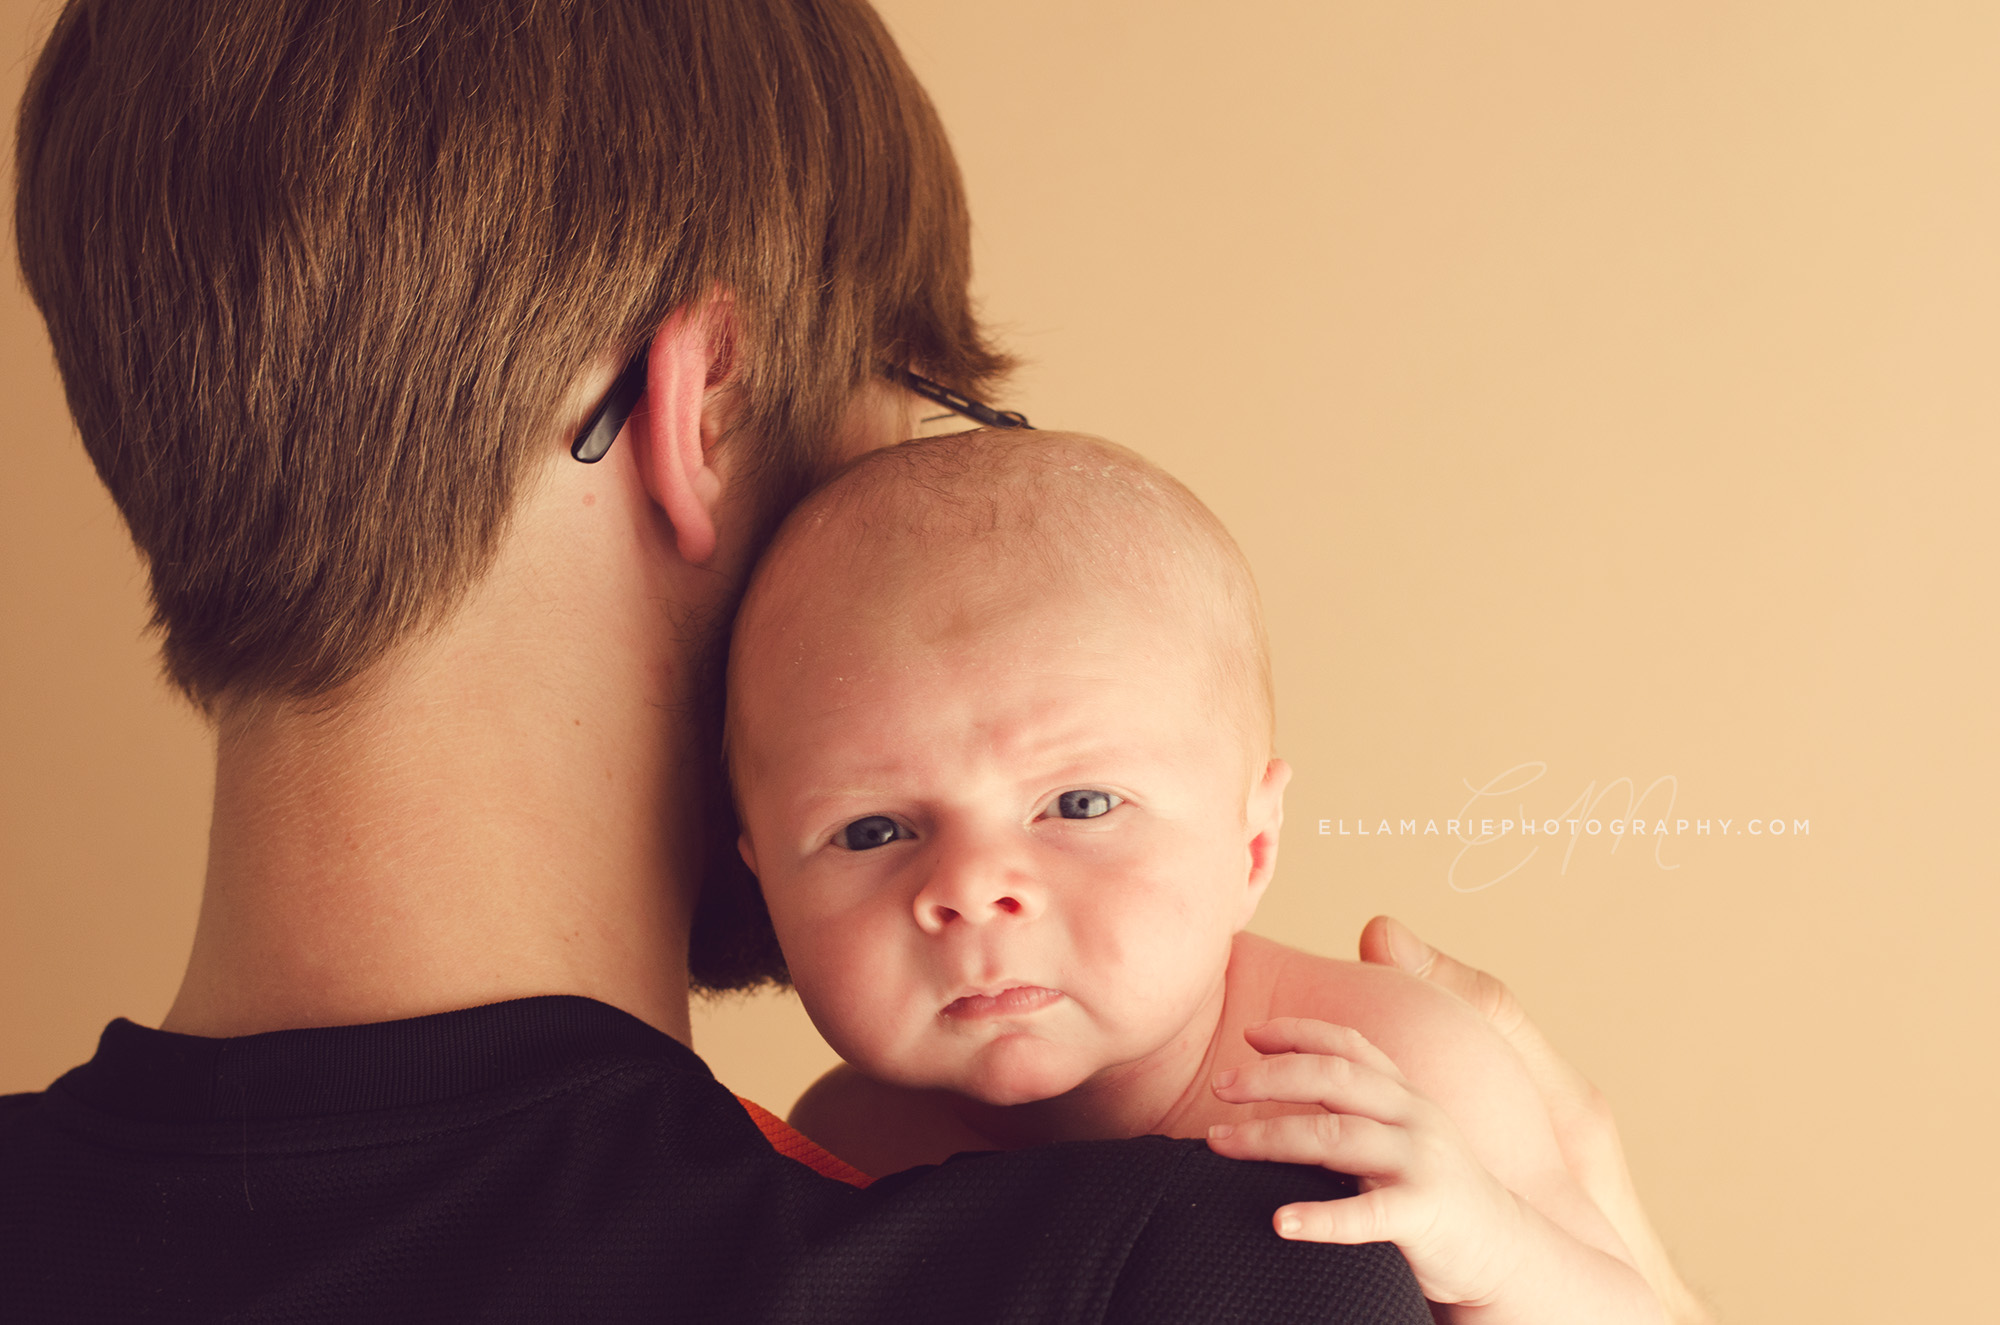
<point x="616" y="407"/>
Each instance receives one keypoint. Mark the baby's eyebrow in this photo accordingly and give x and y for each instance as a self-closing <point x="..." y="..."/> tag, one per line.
<point x="1108" y="761"/>
<point x="844" y="800"/>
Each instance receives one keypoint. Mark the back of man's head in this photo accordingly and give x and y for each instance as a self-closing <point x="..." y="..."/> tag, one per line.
<point x="320" y="275"/>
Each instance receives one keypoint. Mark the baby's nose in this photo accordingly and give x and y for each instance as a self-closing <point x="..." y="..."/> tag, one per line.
<point x="974" y="888"/>
<point x="932" y="913"/>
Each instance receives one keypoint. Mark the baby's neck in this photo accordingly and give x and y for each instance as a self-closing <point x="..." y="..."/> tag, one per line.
<point x="1166" y="1093"/>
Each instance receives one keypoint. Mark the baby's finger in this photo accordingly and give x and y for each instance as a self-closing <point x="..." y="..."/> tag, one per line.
<point x="1339" y="1084"/>
<point x="1307" y="1036"/>
<point x="1369" y="1217"/>
<point x="1345" y="1142"/>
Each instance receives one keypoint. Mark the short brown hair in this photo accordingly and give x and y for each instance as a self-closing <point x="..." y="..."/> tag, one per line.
<point x="319" y="275"/>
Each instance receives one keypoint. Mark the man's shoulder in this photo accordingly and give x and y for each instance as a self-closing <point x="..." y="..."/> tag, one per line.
<point x="19" y="1118"/>
<point x="547" y="1148"/>
<point x="877" y="1127"/>
<point x="617" y="1181"/>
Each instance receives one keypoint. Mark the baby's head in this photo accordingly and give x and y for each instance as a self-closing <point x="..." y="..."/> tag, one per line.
<point x="1000" y="730"/>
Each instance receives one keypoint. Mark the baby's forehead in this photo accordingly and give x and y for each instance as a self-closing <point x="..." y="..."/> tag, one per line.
<point x="987" y="512"/>
<point x="959" y="537"/>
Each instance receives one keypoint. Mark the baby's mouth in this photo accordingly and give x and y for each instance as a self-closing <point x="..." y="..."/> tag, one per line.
<point x="1010" y="1002"/>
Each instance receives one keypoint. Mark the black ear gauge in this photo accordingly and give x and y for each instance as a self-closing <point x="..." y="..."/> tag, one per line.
<point x="616" y="407"/>
<point x="609" y="418"/>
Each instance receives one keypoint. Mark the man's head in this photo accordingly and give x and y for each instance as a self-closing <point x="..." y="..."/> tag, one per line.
<point x="1000" y="728"/>
<point x="321" y="277"/>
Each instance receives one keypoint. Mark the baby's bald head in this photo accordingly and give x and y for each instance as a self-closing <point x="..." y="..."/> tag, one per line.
<point x="938" y="541"/>
<point x="999" y="724"/>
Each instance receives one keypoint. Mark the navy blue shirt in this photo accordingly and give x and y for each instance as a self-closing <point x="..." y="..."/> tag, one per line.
<point x="555" y="1158"/>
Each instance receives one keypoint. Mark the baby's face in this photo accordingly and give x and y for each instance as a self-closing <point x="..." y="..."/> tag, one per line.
<point x="1002" y="858"/>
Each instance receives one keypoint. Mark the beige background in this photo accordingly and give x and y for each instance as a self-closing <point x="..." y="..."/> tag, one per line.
<point x="1609" y="386"/>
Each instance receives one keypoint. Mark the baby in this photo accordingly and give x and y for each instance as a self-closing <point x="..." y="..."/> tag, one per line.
<point x="1000" y="727"/>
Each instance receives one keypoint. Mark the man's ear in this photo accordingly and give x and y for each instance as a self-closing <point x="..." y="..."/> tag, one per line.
<point x="1263" y="815"/>
<point x="690" y="353"/>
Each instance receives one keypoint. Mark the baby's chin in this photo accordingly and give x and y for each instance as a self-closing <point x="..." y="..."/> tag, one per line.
<point x="1018" y="1069"/>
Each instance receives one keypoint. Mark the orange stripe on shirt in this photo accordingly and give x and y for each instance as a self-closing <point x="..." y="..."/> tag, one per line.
<point x="794" y="1144"/>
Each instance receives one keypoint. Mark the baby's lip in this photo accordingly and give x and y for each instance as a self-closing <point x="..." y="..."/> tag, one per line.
<point x="1008" y="1001"/>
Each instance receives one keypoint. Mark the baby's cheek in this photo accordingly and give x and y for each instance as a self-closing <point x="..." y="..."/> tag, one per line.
<point x="854" y="985"/>
<point x="1155" y="958"/>
<point x="1149" y="929"/>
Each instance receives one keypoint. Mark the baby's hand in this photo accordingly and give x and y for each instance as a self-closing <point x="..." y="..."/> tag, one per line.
<point x="1463" y="1233"/>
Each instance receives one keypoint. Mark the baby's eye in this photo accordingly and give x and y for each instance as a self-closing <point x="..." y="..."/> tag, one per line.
<point x="877" y="830"/>
<point x="1085" y="804"/>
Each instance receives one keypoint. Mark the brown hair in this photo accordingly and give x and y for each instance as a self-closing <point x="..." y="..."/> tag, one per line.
<point x="319" y="275"/>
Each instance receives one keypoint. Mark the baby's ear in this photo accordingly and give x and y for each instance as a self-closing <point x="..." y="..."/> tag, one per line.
<point x="745" y="850"/>
<point x="1263" y="815"/>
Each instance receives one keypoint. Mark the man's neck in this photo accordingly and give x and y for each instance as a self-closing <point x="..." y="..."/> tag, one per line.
<point x="504" y="809"/>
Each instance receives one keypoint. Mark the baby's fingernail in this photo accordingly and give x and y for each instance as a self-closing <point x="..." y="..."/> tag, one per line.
<point x="1225" y="1078"/>
<point x="1217" y="1131"/>
<point x="1411" y="953"/>
<point x="1290" y="1225"/>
